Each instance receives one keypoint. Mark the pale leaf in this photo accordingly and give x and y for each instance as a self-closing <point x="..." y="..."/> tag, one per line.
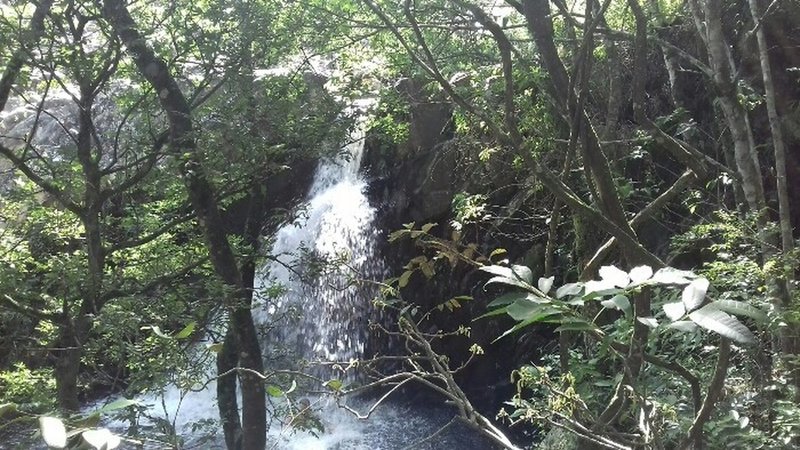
<point x="670" y="275"/>
<point x="615" y="276"/>
<point x="53" y="431"/>
<point x="674" y="310"/>
<point x="101" y="439"/>
<point x="649" y="321"/>
<point x="711" y="318"/>
<point x="640" y="273"/>
<point x="545" y="284"/>
<point x="569" y="289"/>
<point x="694" y="294"/>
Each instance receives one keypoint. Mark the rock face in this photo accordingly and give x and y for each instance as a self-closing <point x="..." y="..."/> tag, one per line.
<point x="415" y="179"/>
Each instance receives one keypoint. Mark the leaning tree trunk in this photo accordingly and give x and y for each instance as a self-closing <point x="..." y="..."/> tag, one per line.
<point x="199" y="189"/>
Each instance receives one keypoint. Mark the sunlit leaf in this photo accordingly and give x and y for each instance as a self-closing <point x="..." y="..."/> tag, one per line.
<point x="53" y="432"/>
<point x="741" y="309"/>
<point x="640" y="274"/>
<point x="545" y="284"/>
<point x="502" y="271"/>
<point x="694" y="294"/>
<point x="649" y="321"/>
<point x="614" y="276"/>
<point x="524" y="273"/>
<point x="686" y="326"/>
<point x="509" y="282"/>
<point x="569" y="289"/>
<point x="496" y="252"/>
<point x="215" y="347"/>
<point x="119" y="404"/>
<point x="711" y="318"/>
<point x="674" y="310"/>
<point x="157" y="331"/>
<point x="670" y="275"/>
<point x="595" y="286"/>
<point x="101" y="439"/>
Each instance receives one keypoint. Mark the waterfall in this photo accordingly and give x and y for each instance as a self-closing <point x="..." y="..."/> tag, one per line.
<point x="328" y="305"/>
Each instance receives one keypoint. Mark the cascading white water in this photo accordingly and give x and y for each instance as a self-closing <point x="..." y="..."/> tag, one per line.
<point x="331" y="306"/>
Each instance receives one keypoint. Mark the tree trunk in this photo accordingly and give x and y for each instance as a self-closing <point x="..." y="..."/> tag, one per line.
<point x="201" y="193"/>
<point x="227" y="403"/>
<point x="789" y="337"/>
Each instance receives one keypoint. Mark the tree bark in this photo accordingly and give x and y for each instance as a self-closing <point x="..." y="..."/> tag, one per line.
<point x="184" y="147"/>
<point x="789" y="345"/>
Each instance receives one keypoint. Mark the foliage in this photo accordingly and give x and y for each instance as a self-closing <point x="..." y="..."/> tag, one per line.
<point x="31" y="389"/>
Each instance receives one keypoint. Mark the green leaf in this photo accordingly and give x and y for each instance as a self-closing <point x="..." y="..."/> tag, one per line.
<point x="186" y="331"/>
<point x="741" y="309"/>
<point x="519" y="326"/>
<point x="619" y="302"/>
<point x="53" y="432"/>
<point x="495" y="312"/>
<point x="215" y="347"/>
<point x="577" y="325"/>
<point x="274" y="391"/>
<point x="537" y="314"/>
<point x="522" y="310"/>
<point x="334" y="384"/>
<point x="427" y="227"/>
<point x="427" y="269"/>
<point x="403" y="281"/>
<point x="713" y="319"/>
<point x="118" y="404"/>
